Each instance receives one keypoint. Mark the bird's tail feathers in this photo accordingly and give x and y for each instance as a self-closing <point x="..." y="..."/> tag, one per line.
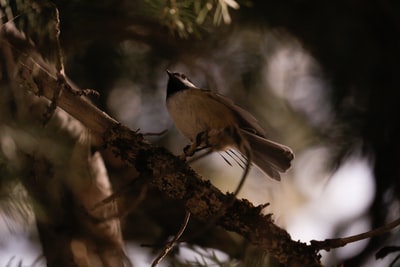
<point x="269" y="156"/>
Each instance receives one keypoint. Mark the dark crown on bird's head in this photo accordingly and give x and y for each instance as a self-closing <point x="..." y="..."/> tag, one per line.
<point x="177" y="82"/>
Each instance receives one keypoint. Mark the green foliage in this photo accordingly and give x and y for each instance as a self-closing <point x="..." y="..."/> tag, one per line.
<point x="182" y="17"/>
<point x="36" y="19"/>
<point x="185" y="17"/>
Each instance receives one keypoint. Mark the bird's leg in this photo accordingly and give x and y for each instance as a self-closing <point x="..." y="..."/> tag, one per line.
<point x="200" y="143"/>
<point x="189" y="150"/>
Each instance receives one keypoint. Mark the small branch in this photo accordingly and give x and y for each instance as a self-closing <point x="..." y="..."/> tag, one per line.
<point x="329" y="244"/>
<point x="170" y="244"/>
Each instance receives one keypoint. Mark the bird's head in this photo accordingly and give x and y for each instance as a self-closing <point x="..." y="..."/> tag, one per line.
<point x="178" y="82"/>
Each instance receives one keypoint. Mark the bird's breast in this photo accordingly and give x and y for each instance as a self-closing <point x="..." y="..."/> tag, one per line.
<point x="194" y="111"/>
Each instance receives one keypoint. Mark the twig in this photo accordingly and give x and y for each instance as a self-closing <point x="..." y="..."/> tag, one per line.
<point x="329" y="244"/>
<point x="170" y="244"/>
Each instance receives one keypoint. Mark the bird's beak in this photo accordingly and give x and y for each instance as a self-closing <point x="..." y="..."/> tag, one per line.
<point x="169" y="73"/>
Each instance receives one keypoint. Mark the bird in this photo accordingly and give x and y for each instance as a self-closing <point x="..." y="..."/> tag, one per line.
<point x="211" y="120"/>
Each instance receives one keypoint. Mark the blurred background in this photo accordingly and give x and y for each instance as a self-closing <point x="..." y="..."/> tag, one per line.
<point x="321" y="77"/>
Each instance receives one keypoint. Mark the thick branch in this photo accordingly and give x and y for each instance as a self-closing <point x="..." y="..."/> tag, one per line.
<point x="177" y="180"/>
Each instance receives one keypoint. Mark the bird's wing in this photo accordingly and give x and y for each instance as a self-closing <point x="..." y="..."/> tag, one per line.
<point x="246" y="121"/>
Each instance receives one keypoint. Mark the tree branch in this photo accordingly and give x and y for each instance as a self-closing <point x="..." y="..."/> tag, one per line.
<point x="332" y="243"/>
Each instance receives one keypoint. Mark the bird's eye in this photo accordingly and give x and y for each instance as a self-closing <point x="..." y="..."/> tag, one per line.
<point x="183" y="76"/>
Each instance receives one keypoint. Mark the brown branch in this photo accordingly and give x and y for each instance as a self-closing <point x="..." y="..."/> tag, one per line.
<point x="332" y="243"/>
<point x="168" y="247"/>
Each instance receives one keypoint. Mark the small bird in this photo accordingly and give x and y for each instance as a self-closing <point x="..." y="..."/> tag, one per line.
<point x="213" y="121"/>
